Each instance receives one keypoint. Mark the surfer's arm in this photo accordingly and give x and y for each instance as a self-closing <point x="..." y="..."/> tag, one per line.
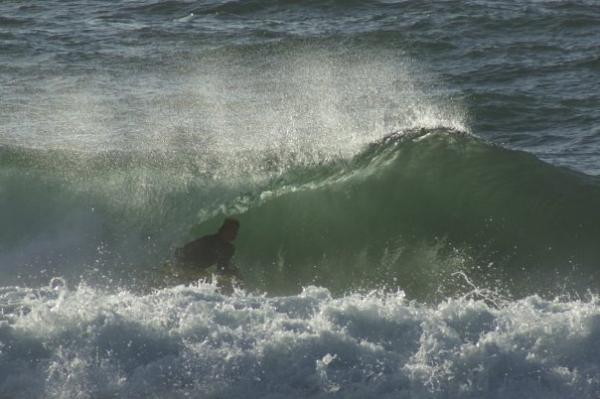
<point x="224" y="263"/>
<point x="229" y="271"/>
<point x="227" y="268"/>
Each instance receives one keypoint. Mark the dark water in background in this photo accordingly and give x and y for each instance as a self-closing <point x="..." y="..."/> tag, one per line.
<point x="363" y="145"/>
<point x="525" y="75"/>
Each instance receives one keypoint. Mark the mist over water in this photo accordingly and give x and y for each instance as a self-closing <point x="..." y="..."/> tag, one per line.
<point x="196" y="146"/>
<point x="416" y="185"/>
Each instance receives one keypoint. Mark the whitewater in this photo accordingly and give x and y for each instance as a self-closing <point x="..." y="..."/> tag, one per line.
<point x="416" y="184"/>
<point x="191" y="341"/>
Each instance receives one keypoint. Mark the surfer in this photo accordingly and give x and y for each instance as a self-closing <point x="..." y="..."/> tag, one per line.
<point x="214" y="249"/>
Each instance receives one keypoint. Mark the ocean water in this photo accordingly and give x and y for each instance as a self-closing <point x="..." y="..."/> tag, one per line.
<point x="416" y="181"/>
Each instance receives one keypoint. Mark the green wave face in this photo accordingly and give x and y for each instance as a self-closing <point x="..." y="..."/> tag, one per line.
<point x="415" y="209"/>
<point x="408" y="212"/>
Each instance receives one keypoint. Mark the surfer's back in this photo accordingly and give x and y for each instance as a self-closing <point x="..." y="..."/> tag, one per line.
<point x="206" y="251"/>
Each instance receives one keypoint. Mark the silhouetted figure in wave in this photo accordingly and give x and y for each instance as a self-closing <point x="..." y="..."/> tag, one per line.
<point x="214" y="249"/>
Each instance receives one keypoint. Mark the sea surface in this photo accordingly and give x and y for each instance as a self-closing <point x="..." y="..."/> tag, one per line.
<point x="417" y="184"/>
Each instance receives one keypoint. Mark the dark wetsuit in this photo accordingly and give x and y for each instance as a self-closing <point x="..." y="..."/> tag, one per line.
<point x="207" y="251"/>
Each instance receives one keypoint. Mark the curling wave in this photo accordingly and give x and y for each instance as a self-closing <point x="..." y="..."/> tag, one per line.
<point x="414" y="208"/>
<point x="408" y="211"/>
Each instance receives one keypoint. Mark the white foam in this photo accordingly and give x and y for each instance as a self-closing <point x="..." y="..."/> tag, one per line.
<point x="193" y="342"/>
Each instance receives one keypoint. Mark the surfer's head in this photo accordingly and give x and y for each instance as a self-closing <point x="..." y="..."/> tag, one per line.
<point x="229" y="229"/>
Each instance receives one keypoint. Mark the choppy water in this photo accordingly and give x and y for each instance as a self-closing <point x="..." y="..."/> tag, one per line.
<point x="416" y="184"/>
<point x="192" y="341"/>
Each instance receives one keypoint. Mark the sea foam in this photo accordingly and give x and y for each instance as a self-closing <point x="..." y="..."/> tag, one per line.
<point x="191" y="341"/>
